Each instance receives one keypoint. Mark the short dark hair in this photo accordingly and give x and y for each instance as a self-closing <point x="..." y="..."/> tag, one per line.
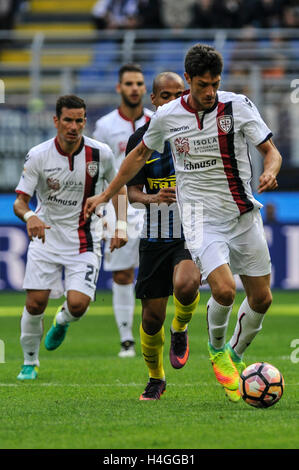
<point x="70" y="102"/>
<point x="202" y="58"/>
<point x="129" y="68"/>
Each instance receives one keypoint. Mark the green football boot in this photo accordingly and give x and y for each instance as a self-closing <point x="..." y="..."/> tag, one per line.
<point x="224" y="368"/>
<point x="234" y="395"/>
<point x="240" y="365"/>
<point x="28" y="372"/>
<point x="56" y="334"/>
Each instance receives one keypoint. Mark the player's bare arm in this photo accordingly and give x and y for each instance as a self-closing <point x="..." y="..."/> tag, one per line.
<point x="128" y="169"/>
<point x="120" y="204"/>
<point x="35" y="226"/>
<point x="165" y="195"/>
<point x="272" y="164"/>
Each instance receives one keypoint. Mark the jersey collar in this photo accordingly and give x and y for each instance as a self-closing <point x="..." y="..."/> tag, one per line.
<point x="147" y="118"/>
<point x="185" y="104"/>
<point x="128" y="119"/>
<point x="59" y="149"/>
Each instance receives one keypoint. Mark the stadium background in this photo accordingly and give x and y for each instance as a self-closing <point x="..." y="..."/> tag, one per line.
<point x="49" y="48"/>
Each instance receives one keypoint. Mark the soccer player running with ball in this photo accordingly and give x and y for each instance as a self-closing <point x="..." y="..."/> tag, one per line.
<point x="165" y="265"/>
<point x="114" y="129"/>
<point x="208" y="132"/>
<point x="64" y="172"/>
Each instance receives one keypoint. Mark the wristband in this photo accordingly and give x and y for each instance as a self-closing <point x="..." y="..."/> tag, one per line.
<point x="121" y="225"/>
<point x="27" y="215"/>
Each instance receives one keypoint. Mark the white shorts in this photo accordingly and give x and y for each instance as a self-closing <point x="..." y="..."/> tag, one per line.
<point x="122" y="258"/>
<point x="127" y="256"/>
<point x="44" y="271"/>
<point x="241" y="243"/>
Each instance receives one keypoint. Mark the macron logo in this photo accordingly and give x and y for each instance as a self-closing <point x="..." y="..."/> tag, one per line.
<point x="178" y="129"/>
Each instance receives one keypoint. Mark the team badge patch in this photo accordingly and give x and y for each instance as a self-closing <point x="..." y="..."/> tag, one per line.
<point x="182" y="145"/>
<point x="92" y="168"/>
<point x="225" y="123"/>
<point x="122" y="147"/>
<point x="53" y="184"/>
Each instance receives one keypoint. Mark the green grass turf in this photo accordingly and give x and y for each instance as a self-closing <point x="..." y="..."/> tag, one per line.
<point x="87" y="398"/>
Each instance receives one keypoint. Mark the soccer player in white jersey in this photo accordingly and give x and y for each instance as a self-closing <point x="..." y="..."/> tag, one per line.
<point x="208" y="131"/>
<point x="115" y="129"/>
<point x="64" y="172"/>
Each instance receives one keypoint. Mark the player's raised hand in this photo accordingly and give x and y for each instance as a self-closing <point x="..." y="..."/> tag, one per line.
<point x="36" y="228"/>
<point x="268" y="182"/>
<point x="166" y="195"/>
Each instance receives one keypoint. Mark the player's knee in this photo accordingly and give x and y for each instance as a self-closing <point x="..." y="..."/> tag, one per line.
<point x="225" y="294"/>
<point x="186" y="291"/>
<point x="186" y="284"/>
<point x="260" y="301"/>
<point x="77" y="309"/>
<point x="152" y="321"/>
<point x="36" y="306"/>
<point x="123" y="277"/>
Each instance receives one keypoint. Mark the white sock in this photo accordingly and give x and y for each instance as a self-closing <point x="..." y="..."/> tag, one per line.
<point x="65" y="316"/>
<point x="124" y="305"/>
<point x="31" y="335"/>
<point x="249" y="323"/>
<point x="217" y="319"/>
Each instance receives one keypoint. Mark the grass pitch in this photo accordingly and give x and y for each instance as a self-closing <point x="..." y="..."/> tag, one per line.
<point x="86" y="397"/>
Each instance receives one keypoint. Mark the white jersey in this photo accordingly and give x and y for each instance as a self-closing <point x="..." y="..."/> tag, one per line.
<point x="115" y="129"/>
<point x="210" y="152"/>
<point x="62" y="184"/>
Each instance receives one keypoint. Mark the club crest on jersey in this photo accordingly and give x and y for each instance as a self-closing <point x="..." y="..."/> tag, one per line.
<point x="122" y="147"/>
<point x="53" y="184"/>
<point x="182" y="145"/>
<point x="225" y="123"/>
<point x="92" y="168"/>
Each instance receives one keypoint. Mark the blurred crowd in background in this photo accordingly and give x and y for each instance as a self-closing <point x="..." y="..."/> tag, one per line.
<point x="196" y="13"/>
<point x="128" y="14"/>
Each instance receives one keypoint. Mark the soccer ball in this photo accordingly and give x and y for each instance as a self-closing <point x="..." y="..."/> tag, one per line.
<point x="261" y="385"/>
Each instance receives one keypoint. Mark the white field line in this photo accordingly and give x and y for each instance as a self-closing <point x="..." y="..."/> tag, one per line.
<point x="97" y="385"/>
<point x="36" y="384"/>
